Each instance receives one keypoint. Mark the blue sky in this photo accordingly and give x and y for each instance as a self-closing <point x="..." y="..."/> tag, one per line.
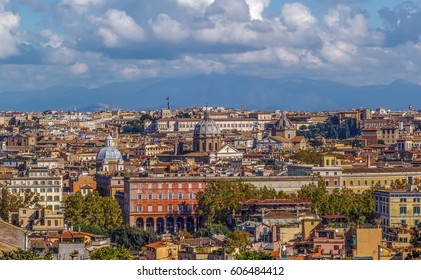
<point x="93" y="42"/>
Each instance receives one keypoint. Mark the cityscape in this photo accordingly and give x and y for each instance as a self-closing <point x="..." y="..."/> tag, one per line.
<point x="211" y="183"/>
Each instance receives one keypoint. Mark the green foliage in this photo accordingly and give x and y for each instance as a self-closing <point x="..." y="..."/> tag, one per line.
<point x="132" y="238"/>
<point x="331" y="129"/>
<point x="10" y="202"/>
<point x="358" y="208"/>
<point x="23" y="255"/>
<point x="238" y="239"/>
<point x="254" y="255"/>
<point x="111" y="253"/>
<point x="307" y="156"/>
<point x="93" y="209"/>
<point x="133" y="127"/>
<point x="219" y="201"/>
<point x="416" y="236"/>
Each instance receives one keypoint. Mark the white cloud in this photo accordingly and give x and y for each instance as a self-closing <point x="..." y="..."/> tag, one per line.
<point x="81" y="6"/>
<point x="61" y="55"/>
<point x="54" y="40"/>
<point x="168" y="29"/>
<point x="226" y="32"/>
<point x="257" y="7"/>
<point x="130" y="72"/>
<point x="9" y="23"/>
<point x="297" y="16"/>
<point x="195" y="4"/>
<point x="207" y="66"/>
<point x="79" y="68"/>
<point x="345" y="25"/>
<point x="339" y="52"/>
<point x="116" y="27"/>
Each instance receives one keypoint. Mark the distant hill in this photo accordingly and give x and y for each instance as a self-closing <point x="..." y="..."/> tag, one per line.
<point x="218" y="90"/>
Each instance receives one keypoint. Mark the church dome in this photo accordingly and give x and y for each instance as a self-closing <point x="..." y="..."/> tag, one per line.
<point x="284" y="122"/>
<point x="206" y="127"/>
<point x="109" y="152"/>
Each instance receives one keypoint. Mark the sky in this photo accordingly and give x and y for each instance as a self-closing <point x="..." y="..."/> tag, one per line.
<point x="45" y="43"/>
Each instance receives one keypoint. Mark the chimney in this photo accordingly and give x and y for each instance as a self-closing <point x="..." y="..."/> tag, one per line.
<point x="368" y="161"/>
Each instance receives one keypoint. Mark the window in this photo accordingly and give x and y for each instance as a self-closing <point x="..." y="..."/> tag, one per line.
<point x="335" y="173"/>
<point x="159" y="208"/>
<point x="49" y="198"/>
<point x="169" y="196"/>
<point x="351" y="182"/>
<point x="190" y="185"/>
<point x="416" y="199"/>
<point x="169" y="207"/>
<point x="190" y="208"/>
<point x="49" y="223"/>
<point x="56" y="198"/>
<point x="335" y="182"/>
<point x="149" y="186"/>
<point x="180" y="207"/>
<point x="191" y="196"/>
<point x="327" y="183"/>
<point x="57" y="189"/>
<point x="149" y="208"/>
<point x="365" y="182"/>
<point x="403" y="199"/>
<point x="139" y="208"/>
<point x="56" y="223"/>
<point x="49" y="189"/>
<point x="180" y="196"/>
<point x="139" y="196"/>
<point x="336" y="247"/>
<point x="180" y="186"/>
<point x="170" y="186"/>
<point x="416" y="209"/>
<point x="160" y="186"/>
<point x="150" y="196"/>
<point x="200" y="185"/>
<point x="402" y="209"/>
<point x="160" y="196"/>
<point x="358" y="182"/>
<point x="416" y="222"/>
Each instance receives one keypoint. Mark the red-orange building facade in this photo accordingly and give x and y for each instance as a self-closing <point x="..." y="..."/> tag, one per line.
<point x="165" y="204"/>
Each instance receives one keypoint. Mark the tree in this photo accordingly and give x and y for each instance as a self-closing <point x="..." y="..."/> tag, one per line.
<point x="219" y="201"/>
<point x="93" y="209"/>
<point x="74" y="209"/>
<point x="112" y="212"/>
<point x="238" y="239"/>
<point x="132" y="238"/>
<point x="10" y="202"/>
<point x="111" y="253"/>
<point x="254" y="255"/>
<point x="340" y="202"/>
<point x="23" y="255"/>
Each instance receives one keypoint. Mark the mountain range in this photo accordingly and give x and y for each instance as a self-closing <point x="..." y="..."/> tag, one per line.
<point x="290" y="93"/>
